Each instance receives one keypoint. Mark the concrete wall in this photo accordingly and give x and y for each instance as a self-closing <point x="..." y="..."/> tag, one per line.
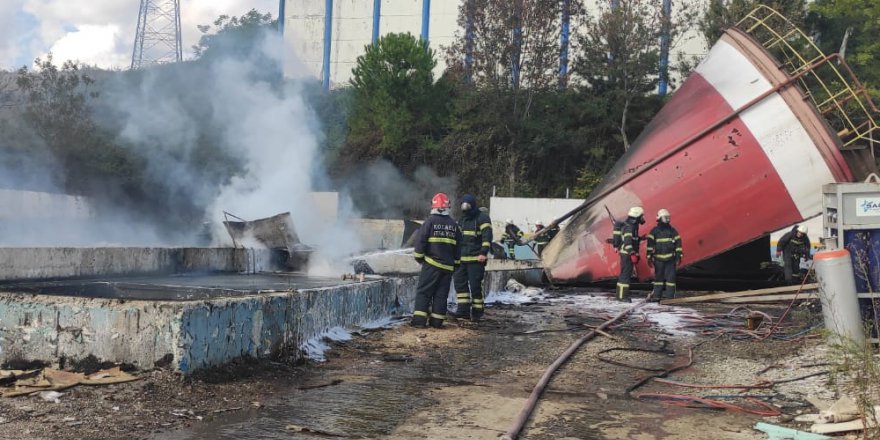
<point x="378" y="234"/>
<point x="42" y="205"/>
<point x="193" y="334"/>
<point x="526" y="211"/>
<point x="67" y="262"/>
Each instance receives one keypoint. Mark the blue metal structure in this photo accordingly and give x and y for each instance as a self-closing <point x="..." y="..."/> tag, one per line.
<point x="426" y="18"/>
<point x="516" y="50"/>
<point x="563" y="43"/>
<point x="281" y="16"/>
<point x="328" y="35"/>
<point x="664" y="48"/>
<point x="377" y="14"/>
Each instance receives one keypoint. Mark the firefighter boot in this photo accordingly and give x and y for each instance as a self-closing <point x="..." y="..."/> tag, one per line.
<point x="419" y="319"/>
<point x="435" y="322"/>
<point x="623" y="292"/>
<point x="463" y="306"/>
<point x="477" y="310"/>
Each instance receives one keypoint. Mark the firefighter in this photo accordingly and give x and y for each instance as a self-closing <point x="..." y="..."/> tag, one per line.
<point x="542" y="240"/>
<point x="664" y="254"/>
<point x="476" y="230"/>
<point x="793" y="246"/>
<point x="437" y="250"/>
<point x="512" y="236"/>
<point x="629" y="250"/>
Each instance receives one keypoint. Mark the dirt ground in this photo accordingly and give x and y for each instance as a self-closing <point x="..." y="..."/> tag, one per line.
<point x="466" y="381"/>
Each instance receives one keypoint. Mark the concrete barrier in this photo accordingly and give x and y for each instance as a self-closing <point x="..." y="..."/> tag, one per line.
<point x="70" y="262"/>
<point x="190" y="334"/>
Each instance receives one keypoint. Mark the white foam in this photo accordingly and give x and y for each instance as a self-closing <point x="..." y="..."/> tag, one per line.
<point x="316" y="347"/>
<point x="668" y="318"/>
<point x="505" y="297"/>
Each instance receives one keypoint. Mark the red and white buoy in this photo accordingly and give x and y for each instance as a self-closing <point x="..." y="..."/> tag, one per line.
<point x="736" y="153"/>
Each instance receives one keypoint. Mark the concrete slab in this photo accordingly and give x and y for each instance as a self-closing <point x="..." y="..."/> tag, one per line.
<point x="266" y="317"/>
<point x="17" y="263"/>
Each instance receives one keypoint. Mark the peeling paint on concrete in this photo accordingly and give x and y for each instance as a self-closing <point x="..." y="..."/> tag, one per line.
<point x="198" y="334"/>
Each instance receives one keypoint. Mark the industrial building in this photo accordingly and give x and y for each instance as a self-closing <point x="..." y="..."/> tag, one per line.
<point x="330" y="51"/>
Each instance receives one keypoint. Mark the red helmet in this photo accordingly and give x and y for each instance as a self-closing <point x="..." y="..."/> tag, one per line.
<point x="440" y="201"/>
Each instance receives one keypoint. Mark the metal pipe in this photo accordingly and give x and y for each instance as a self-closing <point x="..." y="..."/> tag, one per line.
<point x="469" y="42"/>
<point x="526" y="412"/>
<point x="426" y="18"/>
<point x="377" y="13"/>
<point x="179" y="42"/>
<point x="281" y="16"/>
<point x="593" y="198"/>
<point x="517" y="43"/>
<point x="328" y="34"/>
<point x="563" y="43"/>
<point x="664" y="47"/>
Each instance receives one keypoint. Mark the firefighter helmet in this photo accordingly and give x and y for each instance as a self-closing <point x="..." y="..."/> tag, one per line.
<point x="508" y="221"/>
<point x="539" y="223"/>
<point x="802" y="229"/>
<point x="440" y="201"/>
<point x="663" y="215"/>
<point x="636" y="212"/>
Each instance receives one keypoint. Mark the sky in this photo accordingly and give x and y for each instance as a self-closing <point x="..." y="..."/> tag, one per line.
<point x="96" y="32"/>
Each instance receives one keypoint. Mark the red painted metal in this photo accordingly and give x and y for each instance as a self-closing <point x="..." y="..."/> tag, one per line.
<point x="699" y="158"/>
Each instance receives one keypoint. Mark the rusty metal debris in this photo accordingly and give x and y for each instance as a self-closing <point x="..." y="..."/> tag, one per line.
<point x="277" y="233"/>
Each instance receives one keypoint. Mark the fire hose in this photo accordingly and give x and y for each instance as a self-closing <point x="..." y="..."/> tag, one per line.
<point x="532" y="401"/>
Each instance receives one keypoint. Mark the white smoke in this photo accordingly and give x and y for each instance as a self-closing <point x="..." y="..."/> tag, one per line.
<point x="264" y="125"/>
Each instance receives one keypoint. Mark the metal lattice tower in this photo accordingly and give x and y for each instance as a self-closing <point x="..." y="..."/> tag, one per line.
<point x="157" y="40"/>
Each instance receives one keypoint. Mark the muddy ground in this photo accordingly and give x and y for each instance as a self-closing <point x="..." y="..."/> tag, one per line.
<point x="467" y="381"/>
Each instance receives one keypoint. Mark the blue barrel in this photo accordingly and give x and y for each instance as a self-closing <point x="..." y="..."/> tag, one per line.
<point x="858" y="244"/>
<point x="874" y="260"/>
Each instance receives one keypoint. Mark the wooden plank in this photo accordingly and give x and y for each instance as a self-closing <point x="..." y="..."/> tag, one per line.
<point x="770" y="298"/>
<point x="830" y="428"/>
<point x="722" y="295"/>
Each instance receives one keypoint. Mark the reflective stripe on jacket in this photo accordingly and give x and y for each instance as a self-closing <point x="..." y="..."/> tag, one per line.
<point x="437" y="242"/>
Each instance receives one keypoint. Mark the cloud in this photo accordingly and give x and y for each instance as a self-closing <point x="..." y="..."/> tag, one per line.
<point x="76" y="23"/>
<point x="92" y="45"/>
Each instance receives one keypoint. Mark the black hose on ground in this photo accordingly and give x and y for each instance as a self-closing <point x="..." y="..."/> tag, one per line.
<point x="529" y="407"/>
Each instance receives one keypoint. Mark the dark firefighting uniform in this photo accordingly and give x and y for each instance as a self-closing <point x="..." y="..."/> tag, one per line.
<point x="512" y="236"/>
<point x="629" y="246"/>
<point x="436" y="248"/>
<point x="793" y="248"/>
<point x="544" y="239"/>
<point x="476" y="229"/>
<point x="664" y="250"/>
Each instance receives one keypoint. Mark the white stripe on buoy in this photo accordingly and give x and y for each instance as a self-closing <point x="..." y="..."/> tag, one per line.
<point x="783" y="138"/>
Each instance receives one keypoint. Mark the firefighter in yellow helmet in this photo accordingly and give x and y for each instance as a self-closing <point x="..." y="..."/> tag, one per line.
<point x="629" y="250"/>
<point x="664" y="253"/>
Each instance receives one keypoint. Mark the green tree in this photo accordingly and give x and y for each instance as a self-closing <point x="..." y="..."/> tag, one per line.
<point x="398" y="110"/>
<point x="722" y="14"/>
<point x="620" y="58"/>
<point x="56" y="107"/>
<point x="831" y="20"/>
<point x="235" y="36"/>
